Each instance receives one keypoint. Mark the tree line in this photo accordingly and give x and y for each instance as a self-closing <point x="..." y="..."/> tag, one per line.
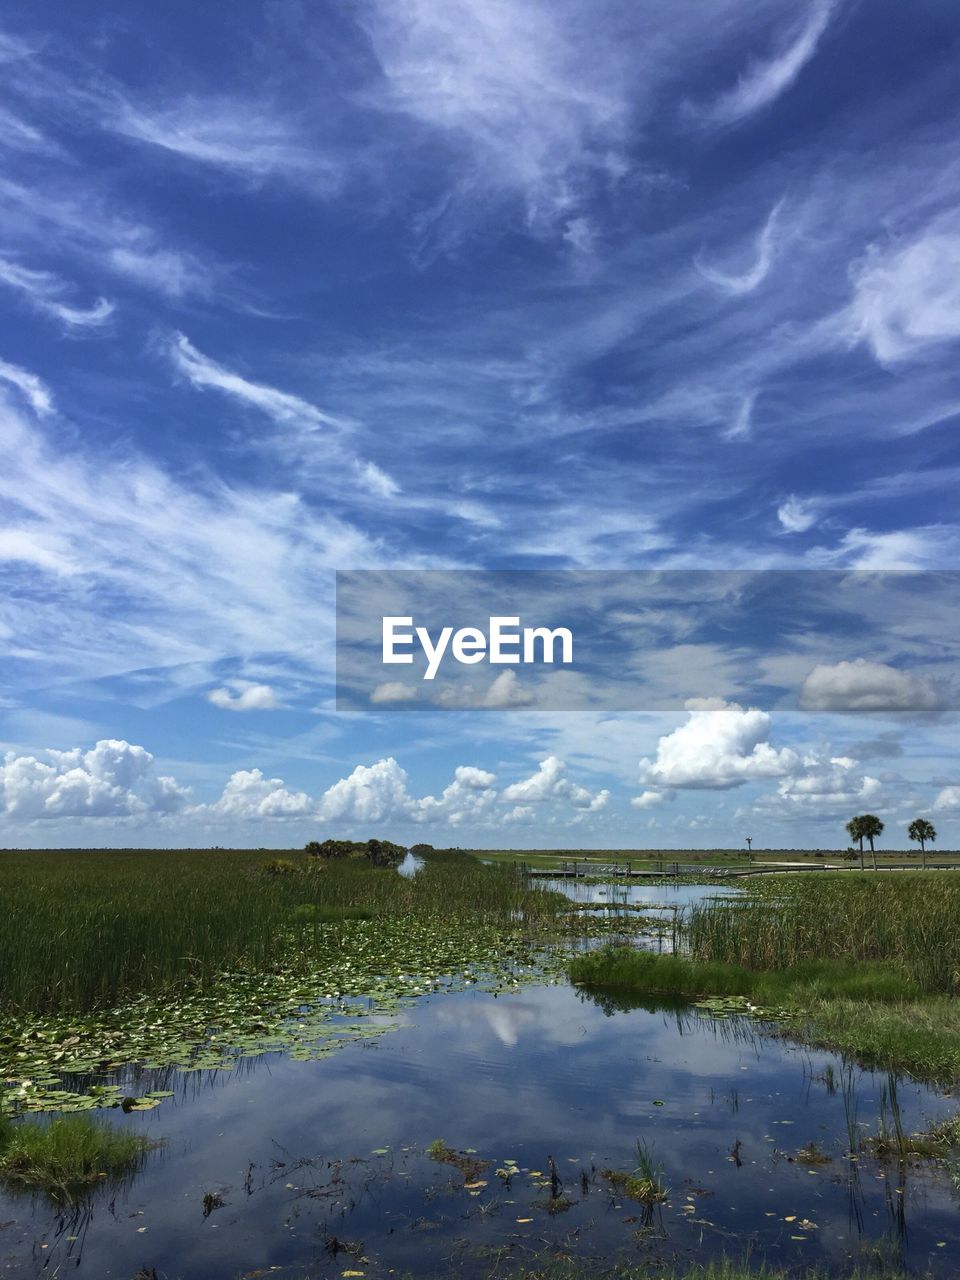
<point x="867" y="826"/>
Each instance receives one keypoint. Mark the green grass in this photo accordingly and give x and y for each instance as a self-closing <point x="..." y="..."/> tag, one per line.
<point x="66" y="1157"/>
<point x="910" y="922"/>
<point x="867" y="966"/>
<point x="88" y="929"/>
<point x="625" y="968"/>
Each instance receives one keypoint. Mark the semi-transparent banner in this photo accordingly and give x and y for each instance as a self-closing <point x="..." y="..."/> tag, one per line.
<point x="821" y="640"/>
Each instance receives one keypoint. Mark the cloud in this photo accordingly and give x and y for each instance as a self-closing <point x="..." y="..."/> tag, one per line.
<point x="194" y="572"/>
<point x="753" y="277"/>
<point x="372" y="793"/>
<point x="394" y="691"/>
<point x="251" y="697"/>
<point x="906" y="299"/>
<point x="922" y="547"/>
<point x="505" y="690"/>
<point x="766" y="80"/>
<point x="796" y="515"/>
<point x="17" y="135"/>
<point x="824" y="788"/>
<point x="948" y="800"/>
<point x="44" y="290"/>
<point x="171" y="272"/>
<point x="249" y="795"/>
<point x="531" y="98"/>
<point x="549" y="783"/>
<point x="112" y="780"/>
<point x="470" y="797"/>
<point x="29" y="385"/>
<point x="649" y="799"/>
<point x="870" y="687"/>
<point x="721" y="745"/>
<point x="283" y="408"/>
<point x="233" y="134"/>
<point x="375" y="481"/>
<point x="45" y="550"/>
<point x="82" y="224"/>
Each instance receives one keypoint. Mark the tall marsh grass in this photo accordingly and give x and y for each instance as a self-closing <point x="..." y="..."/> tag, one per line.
<point x="909" y="922"/>
<point x="81" y="929"/>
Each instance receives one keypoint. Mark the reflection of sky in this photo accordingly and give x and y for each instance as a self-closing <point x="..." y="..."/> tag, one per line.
<point x="653" y="895"/>
<point x="540" y="1073"/>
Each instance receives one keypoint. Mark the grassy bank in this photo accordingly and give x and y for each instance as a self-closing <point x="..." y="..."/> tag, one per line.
<point x="67" y="1157"/>
<point x="867" y="966"/>
<point x="910" y="922"/>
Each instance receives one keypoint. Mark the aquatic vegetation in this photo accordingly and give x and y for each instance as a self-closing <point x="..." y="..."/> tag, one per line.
<point x="350" y="983"/>
<point x="867" y="966"/>
<point x="749" y="989"/>
<point x="865" y="1010"/>
<point x="909" y="922"/>
<point x="466" y="1162"/>
<point x="561" y="1266"/>
<point x="645" y="1184"/>
<point x="88" y="929"/>
<point x="66" y="1157"/>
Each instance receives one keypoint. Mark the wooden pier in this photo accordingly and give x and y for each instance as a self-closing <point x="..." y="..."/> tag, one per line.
<point x="675" y="870"/>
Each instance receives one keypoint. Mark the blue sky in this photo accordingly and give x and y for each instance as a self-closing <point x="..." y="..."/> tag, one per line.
<point x="290" y="288"/>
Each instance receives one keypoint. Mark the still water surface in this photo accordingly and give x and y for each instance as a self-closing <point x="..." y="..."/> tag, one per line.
<point x="290" y="1148"/>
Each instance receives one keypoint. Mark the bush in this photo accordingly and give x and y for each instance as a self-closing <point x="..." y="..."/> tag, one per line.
<point x="379" y="853"/>
<point x="281" y="867"/>
<point x="333" y="849"/>
<point x="384" y="853"/>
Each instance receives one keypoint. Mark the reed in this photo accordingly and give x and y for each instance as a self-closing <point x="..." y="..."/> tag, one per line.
<point x="67" y="1157"/>
<point x="85" y="929"/>
<point x="909" y="922"/>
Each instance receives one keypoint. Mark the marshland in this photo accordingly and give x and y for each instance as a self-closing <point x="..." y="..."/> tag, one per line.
<point x="347" y="1061"/>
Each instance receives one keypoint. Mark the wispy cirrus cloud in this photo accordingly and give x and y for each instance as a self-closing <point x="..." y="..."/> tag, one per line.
<point x="532" y="100"/>
<point x="284" y="408"/>
<point x="241" y="136"/>
<point x="45" y="292"/>
<point x="766" y="79"/>
<point x="745" y="282"/>
<point x="194" y="573"/>
<point x="81" y="224"/>
<point x="32" y="388"/>
<point x="906" y="296"/>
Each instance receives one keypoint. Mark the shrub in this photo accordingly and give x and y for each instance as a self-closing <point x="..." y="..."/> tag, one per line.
<point x="281" y="867"/>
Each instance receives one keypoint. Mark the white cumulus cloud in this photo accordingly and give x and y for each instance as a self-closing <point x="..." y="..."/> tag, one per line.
<point x="114" y="779"/>
<point x="550" y="782"/>
<point x="721" y="745"/>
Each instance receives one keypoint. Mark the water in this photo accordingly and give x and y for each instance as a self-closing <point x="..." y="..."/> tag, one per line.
<point x="662" y="894"/>
<point x="289" y="1146"/>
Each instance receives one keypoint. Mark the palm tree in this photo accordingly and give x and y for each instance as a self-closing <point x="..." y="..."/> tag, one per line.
<point x="856" y="832"/>
<point x="872" y="828"/>
<point x="922" y="830"/>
